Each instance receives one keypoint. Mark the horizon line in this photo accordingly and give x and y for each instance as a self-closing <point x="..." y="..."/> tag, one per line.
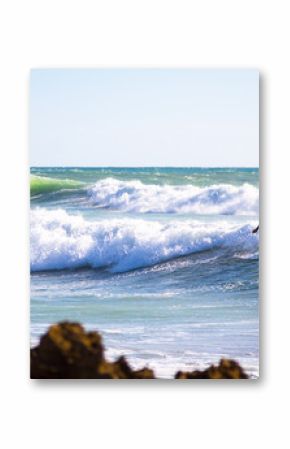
<point x="144" y="166"/>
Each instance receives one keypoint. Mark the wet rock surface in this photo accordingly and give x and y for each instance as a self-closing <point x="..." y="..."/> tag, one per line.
<point x="67" y="351"/>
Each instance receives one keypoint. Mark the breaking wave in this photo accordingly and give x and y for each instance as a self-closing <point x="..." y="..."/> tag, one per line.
<point x="43" y="184"/>
<point x="134" y="196"/>
<point x="63" y="241"/>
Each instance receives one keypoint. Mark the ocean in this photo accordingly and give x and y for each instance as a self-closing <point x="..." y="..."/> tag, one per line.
<point x="161" y="261"/>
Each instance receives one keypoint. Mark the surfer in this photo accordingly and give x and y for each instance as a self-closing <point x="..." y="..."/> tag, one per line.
<point x="255" y="230"/>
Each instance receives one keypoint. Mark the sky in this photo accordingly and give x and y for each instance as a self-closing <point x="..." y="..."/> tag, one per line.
<point x="144" y="117"/>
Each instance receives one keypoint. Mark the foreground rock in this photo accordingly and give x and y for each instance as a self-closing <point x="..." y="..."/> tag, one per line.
<point x="227" y="369"/>
<point x="67" y="351"/>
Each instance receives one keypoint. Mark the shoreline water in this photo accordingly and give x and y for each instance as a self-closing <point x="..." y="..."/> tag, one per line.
<point x="67" y="351"/>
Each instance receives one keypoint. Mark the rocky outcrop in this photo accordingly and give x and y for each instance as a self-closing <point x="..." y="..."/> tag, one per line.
<point x="227" y="369"/>
<point x="67" y="351"/>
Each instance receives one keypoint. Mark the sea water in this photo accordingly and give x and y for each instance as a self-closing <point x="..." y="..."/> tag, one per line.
<point x="161" y="261"/>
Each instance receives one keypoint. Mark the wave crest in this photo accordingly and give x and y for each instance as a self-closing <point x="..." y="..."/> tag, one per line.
<point x="63" y="241"/>
<point x="134" y="196"/>
<point x="43" y="184"/>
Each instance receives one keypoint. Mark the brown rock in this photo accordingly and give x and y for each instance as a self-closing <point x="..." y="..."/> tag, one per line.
<point x="66" y="351"/>
<point x="227" y="369"/>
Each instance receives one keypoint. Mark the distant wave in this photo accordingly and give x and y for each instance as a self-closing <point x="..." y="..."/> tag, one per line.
<point x="43" y="184"/>
<point x="134" y="196"/>
<point x="63" y="241"/>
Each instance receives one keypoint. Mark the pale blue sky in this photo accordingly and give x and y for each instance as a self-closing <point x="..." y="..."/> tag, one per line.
<point x="144" y="117"/>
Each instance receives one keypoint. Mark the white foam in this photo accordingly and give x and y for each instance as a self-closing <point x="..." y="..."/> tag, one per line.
<point x="61" y="241"/>
<point x="134" y="196"/>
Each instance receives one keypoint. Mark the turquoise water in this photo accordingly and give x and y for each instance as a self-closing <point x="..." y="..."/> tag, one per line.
<point x="161" y="261"/>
